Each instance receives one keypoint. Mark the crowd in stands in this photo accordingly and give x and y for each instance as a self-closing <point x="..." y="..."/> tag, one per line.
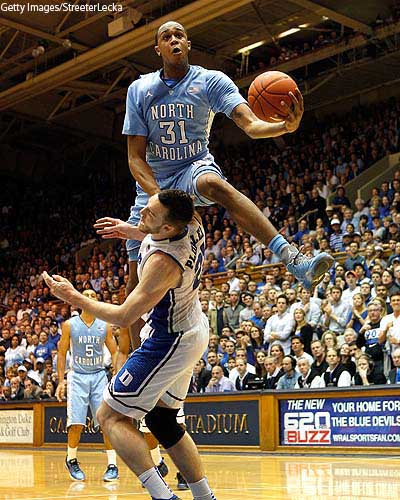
<point x="255" y="325"/>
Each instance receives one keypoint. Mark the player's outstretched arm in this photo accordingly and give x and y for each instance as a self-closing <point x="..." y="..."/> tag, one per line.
<point x="138" y="165"/>
<point x="109" y="228"/>
<point x="150" y="290"/>
<point x="255" y="128"/>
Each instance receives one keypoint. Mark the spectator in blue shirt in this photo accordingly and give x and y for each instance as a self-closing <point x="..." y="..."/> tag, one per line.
<point x="43" y="349"/>
<point x="54" y="335"/>
<point x="303" y="229"/>
<point x="336" y="238"/>
<point x="340" y="199"/>
<point x="290" y="376"/>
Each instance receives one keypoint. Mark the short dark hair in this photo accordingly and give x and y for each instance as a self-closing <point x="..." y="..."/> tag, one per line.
<point x="158" y="30"/>
<point x="179" y="204"/>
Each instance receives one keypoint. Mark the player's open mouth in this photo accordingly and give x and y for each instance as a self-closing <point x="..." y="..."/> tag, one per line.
<point x="176" y="50"/>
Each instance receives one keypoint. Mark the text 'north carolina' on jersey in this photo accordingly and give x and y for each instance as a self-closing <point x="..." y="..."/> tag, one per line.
<point x="86" y="345"/>
<point x="177" y="120"/>
<point x="180" y="308"/>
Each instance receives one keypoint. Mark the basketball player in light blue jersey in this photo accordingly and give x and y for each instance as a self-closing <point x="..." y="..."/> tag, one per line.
<point x="168" y="118"/>
<point x="84" y="336"/>
<point x="154" y="381"/>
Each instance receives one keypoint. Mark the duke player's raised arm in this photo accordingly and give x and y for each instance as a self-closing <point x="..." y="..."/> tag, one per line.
<point x="150" y="290"/>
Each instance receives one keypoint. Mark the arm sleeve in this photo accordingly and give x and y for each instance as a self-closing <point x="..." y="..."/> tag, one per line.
<point x="344" y="380"/>
<point x="279" y="385"/>
<point x="134" y="122"/>
<point x="285" y="330"/>
<point x="267" y="332"/>
<point x="342" y="317"/>
<point x="314" y="315"/>
<point x="250" y="355"/>
<point x="360" y="340"/>
<point x="223" y="95"/>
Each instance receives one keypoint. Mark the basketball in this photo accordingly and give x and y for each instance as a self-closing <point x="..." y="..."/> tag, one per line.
<point x="267" y="92"/>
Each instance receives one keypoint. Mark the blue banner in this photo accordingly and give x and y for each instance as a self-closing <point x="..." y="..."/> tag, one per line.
<point x="55" y="426"/>
<point x="372" y="421"/>
<point x="231" y="423"/>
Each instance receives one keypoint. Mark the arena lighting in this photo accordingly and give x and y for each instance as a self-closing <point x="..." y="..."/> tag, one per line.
<point x="251" y="47"/>
<point x="306" y="25"/>
<point x="288" y="32"/>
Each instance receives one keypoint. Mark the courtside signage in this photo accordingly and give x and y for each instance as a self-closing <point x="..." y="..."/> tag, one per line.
<point x="55" y="426"/>
<point x="365" y="422"/>
<point x="230" y="423"/>
<point x="16" y="426"/>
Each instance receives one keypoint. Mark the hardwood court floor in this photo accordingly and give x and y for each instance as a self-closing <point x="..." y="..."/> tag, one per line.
<point x="40" y="475"/>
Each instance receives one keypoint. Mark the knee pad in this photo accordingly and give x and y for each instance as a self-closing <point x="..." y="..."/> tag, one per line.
<point x="162" y="423"/>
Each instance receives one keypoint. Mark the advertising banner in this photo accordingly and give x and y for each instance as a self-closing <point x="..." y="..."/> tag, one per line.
<point x="55" y="426"/>
<point x="371" y="421"/>
<point x="16" y="426"/>
<point x="231" y="423"/>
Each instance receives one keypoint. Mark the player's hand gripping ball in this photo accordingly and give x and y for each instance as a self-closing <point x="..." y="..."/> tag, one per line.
<point x="274" y="96"/>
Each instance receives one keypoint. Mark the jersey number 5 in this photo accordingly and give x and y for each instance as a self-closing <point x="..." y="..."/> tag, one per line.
<point x="170" y="134"/>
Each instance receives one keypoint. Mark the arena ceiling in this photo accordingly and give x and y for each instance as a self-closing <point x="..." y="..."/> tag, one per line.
<point x="76" y="85"/>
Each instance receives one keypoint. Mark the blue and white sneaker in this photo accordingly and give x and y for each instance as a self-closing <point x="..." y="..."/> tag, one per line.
<point x="111" y="473"/>
<point x="75" y="472"/>
<point x="308" y="271"/>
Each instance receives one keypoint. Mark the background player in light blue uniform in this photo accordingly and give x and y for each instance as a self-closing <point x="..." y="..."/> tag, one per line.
<point x="84" y="336"/>
<point x="168" y="119"/>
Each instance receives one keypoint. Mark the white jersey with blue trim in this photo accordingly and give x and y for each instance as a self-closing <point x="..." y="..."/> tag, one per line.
<point x="177" y="118"/>
<point x="179" y="310"/>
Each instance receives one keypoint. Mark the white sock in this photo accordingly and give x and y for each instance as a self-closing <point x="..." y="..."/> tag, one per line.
<point x="201" y="490"/>
<point x="155" y="484"/>
<point x="156" y="455"/>
<point x="71" y="453"/>
<point x="111" y="457"/>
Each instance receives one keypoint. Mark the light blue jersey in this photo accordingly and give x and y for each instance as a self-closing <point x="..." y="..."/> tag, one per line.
<point x="177" y="119"/>
<point x="86" y="345"/>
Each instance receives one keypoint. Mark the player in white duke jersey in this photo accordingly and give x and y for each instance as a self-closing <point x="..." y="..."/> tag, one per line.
<point x="154" y="445"/>
<point x="168" y="119"/>
<point x="154" y="380"/>
<point x="84" y="336"/>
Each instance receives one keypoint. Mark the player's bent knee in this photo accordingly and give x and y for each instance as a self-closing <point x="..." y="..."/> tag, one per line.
<point x="104" y="414"/>
<point x="162" y="423"/>
<point x="212" y="186"/>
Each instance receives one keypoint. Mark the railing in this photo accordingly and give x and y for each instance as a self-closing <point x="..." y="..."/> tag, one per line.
<point x="256" y="272"/>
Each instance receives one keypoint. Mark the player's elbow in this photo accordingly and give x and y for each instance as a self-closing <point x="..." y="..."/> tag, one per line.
<point x="123" y="321"/>
<point x="250" y="129"/>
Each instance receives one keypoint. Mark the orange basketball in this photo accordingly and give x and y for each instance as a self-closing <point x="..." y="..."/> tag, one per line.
<point x="267" y="92"/>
